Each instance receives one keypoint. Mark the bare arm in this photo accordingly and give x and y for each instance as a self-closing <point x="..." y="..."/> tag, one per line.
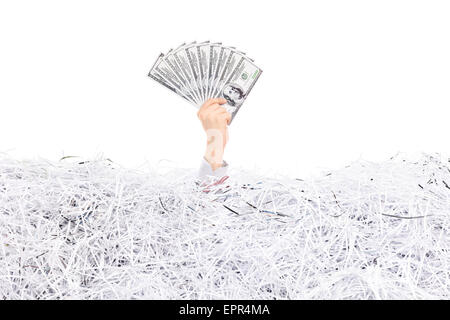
<point x="215" y="120"/>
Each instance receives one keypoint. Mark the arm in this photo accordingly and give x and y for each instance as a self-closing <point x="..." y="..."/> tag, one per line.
<point x="215" y="120"/>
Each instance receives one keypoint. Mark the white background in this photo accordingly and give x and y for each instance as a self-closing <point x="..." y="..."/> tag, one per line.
<point x="342" y="80"/>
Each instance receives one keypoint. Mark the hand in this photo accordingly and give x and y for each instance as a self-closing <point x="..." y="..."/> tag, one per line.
<point x="215" y="120"/>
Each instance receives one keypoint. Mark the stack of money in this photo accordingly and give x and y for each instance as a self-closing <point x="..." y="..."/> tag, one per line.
<point x="200" y="71"/>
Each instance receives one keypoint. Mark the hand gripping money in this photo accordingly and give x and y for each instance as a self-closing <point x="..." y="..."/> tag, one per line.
<point x="201" y="71"/>
<point x="214" y="78"/>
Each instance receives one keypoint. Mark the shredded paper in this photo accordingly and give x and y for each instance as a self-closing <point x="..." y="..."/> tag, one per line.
<point x="95" y="230"/>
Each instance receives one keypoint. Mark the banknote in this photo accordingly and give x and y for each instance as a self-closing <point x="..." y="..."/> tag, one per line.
<point x="156" y="75"/>
<point x="232" y="59"/>
<point x="194" y="63"/>
<point x="203" y="59"/>
<point x="200" y="71"/>
<point x="214" y="51"/>
<point x="170" y="60"/>
<point x="182" y="59"/>
<point x="236" y="88"/>
<point x="222" y="56"/>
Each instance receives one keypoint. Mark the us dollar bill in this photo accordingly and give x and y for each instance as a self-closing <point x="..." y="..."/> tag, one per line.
<point x="203" y="59"/>
<point x="182" y="59"/>
<point x="233" y="56"/>
<point x="169" y="59"/>
<point x="194" y="62"/>
<point x="214" y="53"/>
<point x="161" y="73"/>
<point x="223" y="55"/>
<point x="236" y="88"/>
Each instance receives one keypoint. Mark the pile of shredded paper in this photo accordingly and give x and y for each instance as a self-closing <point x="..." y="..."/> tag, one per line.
<point x="95" y="230"/>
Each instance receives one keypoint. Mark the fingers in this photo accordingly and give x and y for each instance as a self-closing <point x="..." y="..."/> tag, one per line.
<point x="211" y="102"/>
<point x="211" y="105"/>
<point x="222" y="114"/>
<point x="227" y="117"/>
<point x="207" y="109"/>
<point x="214" y="112"/>
<point x="214" y="101"/>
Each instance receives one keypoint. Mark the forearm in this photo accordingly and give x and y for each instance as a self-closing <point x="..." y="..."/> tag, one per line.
<point x="215" y="143"/>
<point x="214" y="120"/>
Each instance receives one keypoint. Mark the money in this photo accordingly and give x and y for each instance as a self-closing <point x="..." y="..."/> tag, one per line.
<point x="202" y="56"/>
<point x="236" y="88"/>
<point x="201" y="71"/>
<point x="214" y="53"/>
<point x="160" y="74"/>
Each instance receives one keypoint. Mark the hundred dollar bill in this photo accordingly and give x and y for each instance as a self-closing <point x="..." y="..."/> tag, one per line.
<point x="236" y="88"/>
<point x="226" y="62"/>
<point x="222" y="57"/>
<point x="161" y="73"/>
<point x="214" y="53"/>
<point x="194" y="63"/>
<point x="177" y="68"/>
<point x="203" y="57"/>
<point x="170" y="60"/>
<point x="165" y="71"/>
<point x="232" y="59"/>
<point x="183" y="60"/>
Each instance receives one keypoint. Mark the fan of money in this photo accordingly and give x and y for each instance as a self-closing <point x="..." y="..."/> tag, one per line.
<point x="200" y="71"/>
